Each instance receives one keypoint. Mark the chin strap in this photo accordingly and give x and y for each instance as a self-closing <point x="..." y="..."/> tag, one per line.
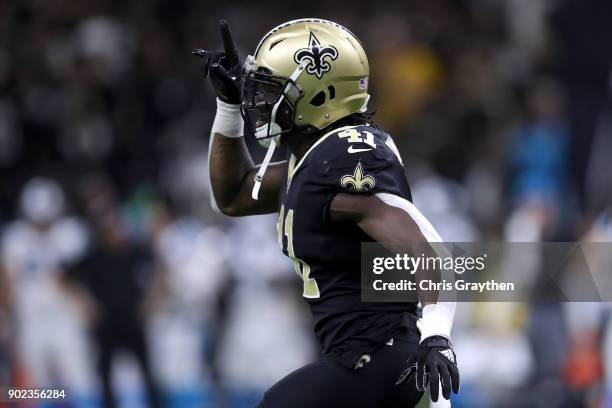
<point x="262" y="170"/>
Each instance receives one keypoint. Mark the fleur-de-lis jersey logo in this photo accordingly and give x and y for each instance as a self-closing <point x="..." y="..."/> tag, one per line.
<point x="318" y="56"/>
<point x="358" y="181"/>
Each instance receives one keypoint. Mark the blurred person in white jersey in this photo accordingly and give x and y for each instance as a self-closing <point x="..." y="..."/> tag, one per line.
<point x="50" y="331"/>
<point x="262" y="299"/>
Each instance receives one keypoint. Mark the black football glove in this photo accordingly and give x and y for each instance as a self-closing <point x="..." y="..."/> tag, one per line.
<point x="434" y="362"/>
<point x="224" y="67"/>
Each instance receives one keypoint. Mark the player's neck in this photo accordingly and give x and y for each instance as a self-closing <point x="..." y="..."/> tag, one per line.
<point x="298" y="145"/>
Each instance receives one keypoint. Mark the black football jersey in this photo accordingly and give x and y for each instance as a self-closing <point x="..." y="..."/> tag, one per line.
<point x="326" y="255"/>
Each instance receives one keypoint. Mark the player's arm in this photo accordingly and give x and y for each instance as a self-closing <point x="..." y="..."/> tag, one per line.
<point x="231" y="168"/>
<point x="396" y="223"/>
<point x="389" y="225"/>
<point x="232" y="177"/>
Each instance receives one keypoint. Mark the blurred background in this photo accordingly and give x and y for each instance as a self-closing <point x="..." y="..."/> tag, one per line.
<point x="116" y="278"/>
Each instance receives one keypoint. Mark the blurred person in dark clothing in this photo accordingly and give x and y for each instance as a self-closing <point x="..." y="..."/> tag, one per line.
<point x="543" y="210"/>
<point x="583" y="33"/>
<point x="116" y="275"/>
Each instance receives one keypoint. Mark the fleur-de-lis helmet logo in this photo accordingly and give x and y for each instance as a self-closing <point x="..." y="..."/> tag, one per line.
<point x="358" y="181"/>
<point x="318" y="56"/>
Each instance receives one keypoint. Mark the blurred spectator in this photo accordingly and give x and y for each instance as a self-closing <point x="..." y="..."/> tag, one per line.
<point x="542" y="210"/>
<point x="408" y="73"/>
<point x="585" y="64"/>
<point x="263" y="303"/>
<point x="50" y="333"/>
<point x="194" y="260"/>
<point x="116" y="275"/>
<point x="589" y="358"/>
<point x="540" y="149"/>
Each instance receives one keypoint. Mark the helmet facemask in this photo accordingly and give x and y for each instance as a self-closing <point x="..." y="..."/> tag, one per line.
<point x="268" y="109"/>
<point x="269" y="103"/>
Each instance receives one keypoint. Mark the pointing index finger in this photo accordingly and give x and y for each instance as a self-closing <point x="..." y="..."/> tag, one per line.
<point x="200" y="52"/>
<point x="228" y="42"/>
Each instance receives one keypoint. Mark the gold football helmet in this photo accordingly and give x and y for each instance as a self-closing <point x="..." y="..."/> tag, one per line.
<point x="305" y="74"/>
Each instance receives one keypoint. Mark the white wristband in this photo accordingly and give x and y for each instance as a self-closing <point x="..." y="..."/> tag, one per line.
<point x="437" y="320"/>
<point x="228" y="120"/>
<point x="228" y="123"/>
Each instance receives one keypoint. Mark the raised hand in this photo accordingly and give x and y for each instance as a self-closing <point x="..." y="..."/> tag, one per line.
<point x="224" y="67"/>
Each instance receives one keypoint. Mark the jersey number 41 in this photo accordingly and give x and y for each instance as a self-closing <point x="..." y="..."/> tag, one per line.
<point x="285" y="227"/>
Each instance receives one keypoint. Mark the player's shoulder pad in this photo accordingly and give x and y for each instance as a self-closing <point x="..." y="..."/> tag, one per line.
<point x="358" y="158"/>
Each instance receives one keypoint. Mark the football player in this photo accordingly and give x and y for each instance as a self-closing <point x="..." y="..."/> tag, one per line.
<point x="306" y="88"/>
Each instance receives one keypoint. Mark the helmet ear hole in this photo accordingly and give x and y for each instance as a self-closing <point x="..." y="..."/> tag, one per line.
<point x="332" y="92"/>
<point x="318" y="99"/>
